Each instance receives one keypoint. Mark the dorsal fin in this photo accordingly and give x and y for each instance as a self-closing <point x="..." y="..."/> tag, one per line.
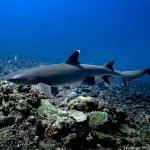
<point x="73" y="59"/>
<point x="109" y="65"/>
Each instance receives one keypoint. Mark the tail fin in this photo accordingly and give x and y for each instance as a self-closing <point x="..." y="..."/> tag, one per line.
<point x="127" y="76"/>
<point x="126" y="83"/>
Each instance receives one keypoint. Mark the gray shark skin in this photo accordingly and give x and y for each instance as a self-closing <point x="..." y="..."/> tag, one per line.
<point x="50" y="76"/>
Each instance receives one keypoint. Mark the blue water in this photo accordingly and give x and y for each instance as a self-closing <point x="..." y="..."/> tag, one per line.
<point x="50" y="30"/>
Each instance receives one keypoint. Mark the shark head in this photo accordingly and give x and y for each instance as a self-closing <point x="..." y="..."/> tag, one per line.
<point x="21" y="77"/>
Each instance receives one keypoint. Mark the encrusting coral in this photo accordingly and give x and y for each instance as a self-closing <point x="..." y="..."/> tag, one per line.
<point x="97" y="118"/>
<point x="85" y="104"/>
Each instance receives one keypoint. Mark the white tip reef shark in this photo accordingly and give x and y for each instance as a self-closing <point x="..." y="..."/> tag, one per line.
<point x="51" y="76"/>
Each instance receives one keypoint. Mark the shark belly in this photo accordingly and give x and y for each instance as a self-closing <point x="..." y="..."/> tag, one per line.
<point x="64" y="79"/>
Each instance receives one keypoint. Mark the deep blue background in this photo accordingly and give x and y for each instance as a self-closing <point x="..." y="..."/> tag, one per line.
<point x="50" y="30"/>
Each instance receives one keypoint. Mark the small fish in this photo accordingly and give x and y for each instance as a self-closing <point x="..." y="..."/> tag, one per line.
<point x="51" y="76"/>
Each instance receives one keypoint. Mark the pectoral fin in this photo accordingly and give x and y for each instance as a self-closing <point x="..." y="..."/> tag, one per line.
<point x="46" y="89"/>
<point x="49" y="90"/>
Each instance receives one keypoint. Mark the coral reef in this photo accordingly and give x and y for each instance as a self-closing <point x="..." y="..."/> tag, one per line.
<point x="85" y="104"/>
<point x="100" y="117"/>
<point x="97" y="118"/>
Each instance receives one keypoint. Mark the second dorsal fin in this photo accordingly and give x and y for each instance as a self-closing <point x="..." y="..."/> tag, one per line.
<point x="73" y="59"/>
<point x="109" y="65"/>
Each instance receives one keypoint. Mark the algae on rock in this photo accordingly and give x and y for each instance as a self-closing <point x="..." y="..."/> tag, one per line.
<point x="46" y="108"/>
<point x="97" y="118"/>
<point x="104" y="139"/>
<point x="85" y="104"/>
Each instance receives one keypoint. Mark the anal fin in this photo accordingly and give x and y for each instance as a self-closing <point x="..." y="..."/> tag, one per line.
<point x="106" y="79"/>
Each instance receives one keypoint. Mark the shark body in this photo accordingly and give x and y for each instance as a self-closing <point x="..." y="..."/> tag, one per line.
<point x="51" y="76"/>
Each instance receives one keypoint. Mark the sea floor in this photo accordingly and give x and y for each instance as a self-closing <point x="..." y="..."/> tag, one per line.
<point x="80" y="117"/>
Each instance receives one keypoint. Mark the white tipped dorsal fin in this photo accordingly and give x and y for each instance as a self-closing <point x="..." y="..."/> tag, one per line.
<point x="73" y="59"/>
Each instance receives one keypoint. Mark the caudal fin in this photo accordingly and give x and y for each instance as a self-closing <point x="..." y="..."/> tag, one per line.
<point x="126" y="83"/>
<point x="127" y="76"/>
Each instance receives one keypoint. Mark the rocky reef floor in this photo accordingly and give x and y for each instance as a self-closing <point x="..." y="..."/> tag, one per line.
<point x="80" y="117"/>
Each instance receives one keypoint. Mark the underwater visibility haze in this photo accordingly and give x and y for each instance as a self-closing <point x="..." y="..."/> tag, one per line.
<point x="41" y="105"/>
<point x="102" y="30"/>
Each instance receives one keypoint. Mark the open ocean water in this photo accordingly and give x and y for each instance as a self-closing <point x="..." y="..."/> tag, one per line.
<point x="102" y="29"/>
